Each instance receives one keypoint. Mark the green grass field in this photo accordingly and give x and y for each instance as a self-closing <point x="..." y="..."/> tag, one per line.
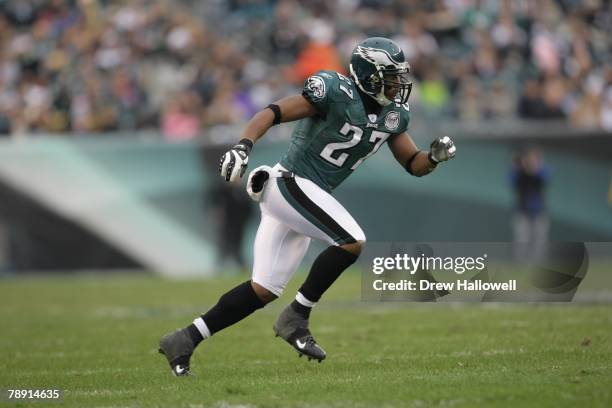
<point x="96" y="338"/>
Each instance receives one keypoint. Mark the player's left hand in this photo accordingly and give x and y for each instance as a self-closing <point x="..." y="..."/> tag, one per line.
<point x="442" y="149"/>
<point x="233" y="163"/>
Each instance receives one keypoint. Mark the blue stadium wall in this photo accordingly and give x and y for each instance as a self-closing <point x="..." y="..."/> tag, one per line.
<point x="160" y="206"/>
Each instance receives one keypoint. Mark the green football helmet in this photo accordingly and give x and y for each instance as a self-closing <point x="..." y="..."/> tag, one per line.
<point x="377" y="66"/>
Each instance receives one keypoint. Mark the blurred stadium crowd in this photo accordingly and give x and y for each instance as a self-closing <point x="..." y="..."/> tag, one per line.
<point x="99" y="65"/>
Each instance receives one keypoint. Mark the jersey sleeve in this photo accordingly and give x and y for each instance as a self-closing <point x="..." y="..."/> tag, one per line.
<point x="404" y="117"/>
<point x="317" y="90"/>
<point x="404" y="121"/>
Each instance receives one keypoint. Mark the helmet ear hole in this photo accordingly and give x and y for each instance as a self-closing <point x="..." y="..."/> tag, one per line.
<point x="376" y="82"/>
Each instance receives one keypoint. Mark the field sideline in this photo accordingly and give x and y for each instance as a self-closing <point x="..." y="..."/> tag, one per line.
<point x="96" y="337"/>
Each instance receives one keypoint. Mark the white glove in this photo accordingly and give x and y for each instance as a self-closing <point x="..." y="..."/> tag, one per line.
<point x="257" y="181"/>
<point x="442" y="149"/>
<point x="233" y="163"/>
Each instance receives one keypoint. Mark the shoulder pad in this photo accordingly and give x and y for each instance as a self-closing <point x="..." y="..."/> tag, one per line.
<point x="341" y="87"/>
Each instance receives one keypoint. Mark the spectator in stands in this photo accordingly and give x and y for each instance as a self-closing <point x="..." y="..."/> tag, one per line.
<point x="180" y="118"/>
<point x="606" y="110"/>
<point x="92" y="66"/>
<point x="471" y="96"/>
<point x="529" y="178"/>
<point x="318" y="54"/>
<point x="588" y="109"/>
<point x="542" y="99"/>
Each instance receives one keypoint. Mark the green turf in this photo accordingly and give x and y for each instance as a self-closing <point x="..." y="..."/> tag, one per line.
<point x="96" y="338"/>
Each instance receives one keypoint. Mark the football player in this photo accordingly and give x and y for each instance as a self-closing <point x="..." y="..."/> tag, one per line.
<point x="341" y="122"/>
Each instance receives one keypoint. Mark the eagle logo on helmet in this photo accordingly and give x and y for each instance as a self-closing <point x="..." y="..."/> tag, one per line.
<point x="376" y="56"/>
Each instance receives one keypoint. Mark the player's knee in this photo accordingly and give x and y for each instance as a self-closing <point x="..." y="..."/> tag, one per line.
<point x="262" y="293"/>
<point x="354" y="248"/>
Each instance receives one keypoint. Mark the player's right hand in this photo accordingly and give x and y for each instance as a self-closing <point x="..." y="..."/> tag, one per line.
<point x="442" y="149"/>
<point x="233" y="163"/>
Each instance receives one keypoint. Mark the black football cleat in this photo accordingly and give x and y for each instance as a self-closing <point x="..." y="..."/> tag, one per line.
<point x="307" y="346"/>
<point x="293" y="328"/>
<point x="178" y="348"/>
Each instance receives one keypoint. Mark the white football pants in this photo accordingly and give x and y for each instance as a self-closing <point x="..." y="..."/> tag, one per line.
<point x="294" y="210"/>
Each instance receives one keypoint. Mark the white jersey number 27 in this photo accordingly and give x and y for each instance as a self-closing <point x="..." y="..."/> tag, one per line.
<point x="377" y="137"/>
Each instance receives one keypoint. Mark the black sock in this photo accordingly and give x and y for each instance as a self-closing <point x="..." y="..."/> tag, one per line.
<point x="232" y="307"/>
<point x="194" y="334"/>
<point x="300" y="309"/>
<point x="325" y="270"/>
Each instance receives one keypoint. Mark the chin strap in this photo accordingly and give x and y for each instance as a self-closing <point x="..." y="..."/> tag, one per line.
<point x="382" y="99"/>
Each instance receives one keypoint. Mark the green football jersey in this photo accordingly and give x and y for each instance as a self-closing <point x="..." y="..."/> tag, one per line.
<point x="327" y="148"/>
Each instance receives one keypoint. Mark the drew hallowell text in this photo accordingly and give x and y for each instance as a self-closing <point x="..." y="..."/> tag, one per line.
<point x="459" y="285"/>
